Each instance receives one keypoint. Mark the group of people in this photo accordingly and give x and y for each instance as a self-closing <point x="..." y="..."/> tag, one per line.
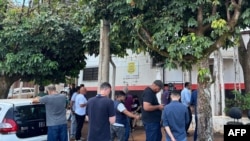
<point x="174" y="112"/>
<point x="109" y="119"/>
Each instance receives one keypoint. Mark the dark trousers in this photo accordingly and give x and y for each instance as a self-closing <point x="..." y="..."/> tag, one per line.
<point x="190" y="118"/>
<point x="196" y="124"/>
<point x="153" y="131"/>
<point x="57" y="133"/>
<point x="79" y="124"/>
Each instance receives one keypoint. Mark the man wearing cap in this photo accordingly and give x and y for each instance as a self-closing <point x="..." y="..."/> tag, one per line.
<point x="151" y="111"/>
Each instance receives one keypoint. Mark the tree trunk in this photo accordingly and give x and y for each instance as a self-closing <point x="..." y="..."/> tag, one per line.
<point x="216" y="73"/>
<point x="244" y="57"/>
<point x="104" y="53"/>
<point x="205" y="121"/>
<point x="5" y="84"/>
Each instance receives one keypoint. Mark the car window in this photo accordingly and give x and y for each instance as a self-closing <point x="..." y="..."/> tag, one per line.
<point x="16" y="92"/>
<point x="31" y="120"/>
<point x="26" y="91"/>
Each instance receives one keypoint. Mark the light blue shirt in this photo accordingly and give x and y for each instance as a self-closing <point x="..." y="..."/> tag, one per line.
<point x="185" y="96"/>
<point x="80" y="99"/>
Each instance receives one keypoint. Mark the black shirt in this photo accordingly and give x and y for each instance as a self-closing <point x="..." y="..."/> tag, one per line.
<point x="149" y="96"/>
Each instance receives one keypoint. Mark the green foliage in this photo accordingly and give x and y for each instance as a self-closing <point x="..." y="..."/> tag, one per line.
<point x="246" y="18"/>
<point x="239" y="100"/>
<point x="174" y="31"/>
<point x="42" y="45"/>
<point x="204" y="75"/>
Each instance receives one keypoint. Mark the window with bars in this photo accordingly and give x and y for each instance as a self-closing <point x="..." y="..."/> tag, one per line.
<point x="90" y="73"/>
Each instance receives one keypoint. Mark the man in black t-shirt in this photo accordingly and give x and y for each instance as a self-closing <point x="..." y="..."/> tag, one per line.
<point x="151" y="111"/>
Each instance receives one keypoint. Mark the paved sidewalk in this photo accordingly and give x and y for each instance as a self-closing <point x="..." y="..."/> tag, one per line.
<point x="139" y="135"/>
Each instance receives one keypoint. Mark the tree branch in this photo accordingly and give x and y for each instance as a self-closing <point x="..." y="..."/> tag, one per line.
<point x="22" y="11"/>
<point x="200" y="16"/>
<point x="145" y="37"/>
<point x="227" y="10"/>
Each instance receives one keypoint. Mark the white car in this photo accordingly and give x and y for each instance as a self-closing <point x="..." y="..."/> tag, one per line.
<point x="26" y="92"/>
<point x="21" y="120"/>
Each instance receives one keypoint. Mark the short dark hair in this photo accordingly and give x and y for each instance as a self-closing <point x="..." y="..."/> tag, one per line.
<point x="105" y="85"/>
<point x="120" y="93"/>
<point x="41" y="88"/>
<point x="159" y="83"/>
<point x="78" y="88"/>
<point x="175" y="92"/>
<point x="186" y="84"/>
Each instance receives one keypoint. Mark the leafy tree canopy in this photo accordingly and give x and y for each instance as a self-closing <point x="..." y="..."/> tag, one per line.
<point x="178" y="32"/>
<point x="40" y="43"/>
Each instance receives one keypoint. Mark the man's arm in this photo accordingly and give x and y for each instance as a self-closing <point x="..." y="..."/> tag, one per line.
<point x="129" y="114"/>
<point x="149" y="107"/>
<point x="83" y="105"/>
<point x="36" y="100"/>
<point x="112" y="120"/>
<point x="169" y="133"/>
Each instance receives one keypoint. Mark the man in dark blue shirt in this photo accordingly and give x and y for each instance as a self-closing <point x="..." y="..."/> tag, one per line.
<point x="175" y="117"/>
<point x="101" y="113"/>
<point x="193" y="102"/>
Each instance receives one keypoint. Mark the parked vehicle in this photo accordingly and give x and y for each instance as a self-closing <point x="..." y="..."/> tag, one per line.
<point x="21" y="120"/>
<point x="26" y="92"/>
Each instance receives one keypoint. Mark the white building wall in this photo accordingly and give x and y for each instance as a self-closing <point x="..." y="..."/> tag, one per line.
<point x="145" y="74"/>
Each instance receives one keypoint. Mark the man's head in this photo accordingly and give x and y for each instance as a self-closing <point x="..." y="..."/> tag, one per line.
<point x="82" y="90"/>
<point x="41" y="88"/>
<point x="175" y="95"/>
<point x="73" y="85"/>
<point x="120" y="96"/>
<point x="165" y="87"/>
<point x="51" y="89"/>
<point x="78" y="89"/>
<point x="188" y="85"/>
<point x="125" y="89"/>
<point x="105" y="89"/>
<point x="157" y="86"/>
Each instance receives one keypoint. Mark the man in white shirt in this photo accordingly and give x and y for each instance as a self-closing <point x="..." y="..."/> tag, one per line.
<point x="80" y="111"/>
<point x="73" y="119"/>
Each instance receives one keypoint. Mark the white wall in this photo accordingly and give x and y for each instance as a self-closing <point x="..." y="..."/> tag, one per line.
<point x="145" y="74"/>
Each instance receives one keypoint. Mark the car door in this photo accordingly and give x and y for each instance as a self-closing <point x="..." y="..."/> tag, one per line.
<point x="25" y="93"/>
<point x="31" y="120"/>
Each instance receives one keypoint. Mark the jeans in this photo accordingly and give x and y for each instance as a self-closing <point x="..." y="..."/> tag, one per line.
<point x="190" y="118"/>
<point x="73" y="125"/>
<point x="196" y="125"/>
<point x="127" y="129"/>
<point x="185" y="139"/>
<point x="117" y="131"/>
<point x="153" y="131"/>
<point x="58" y="133"/>
<point x="79" y="120"/>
